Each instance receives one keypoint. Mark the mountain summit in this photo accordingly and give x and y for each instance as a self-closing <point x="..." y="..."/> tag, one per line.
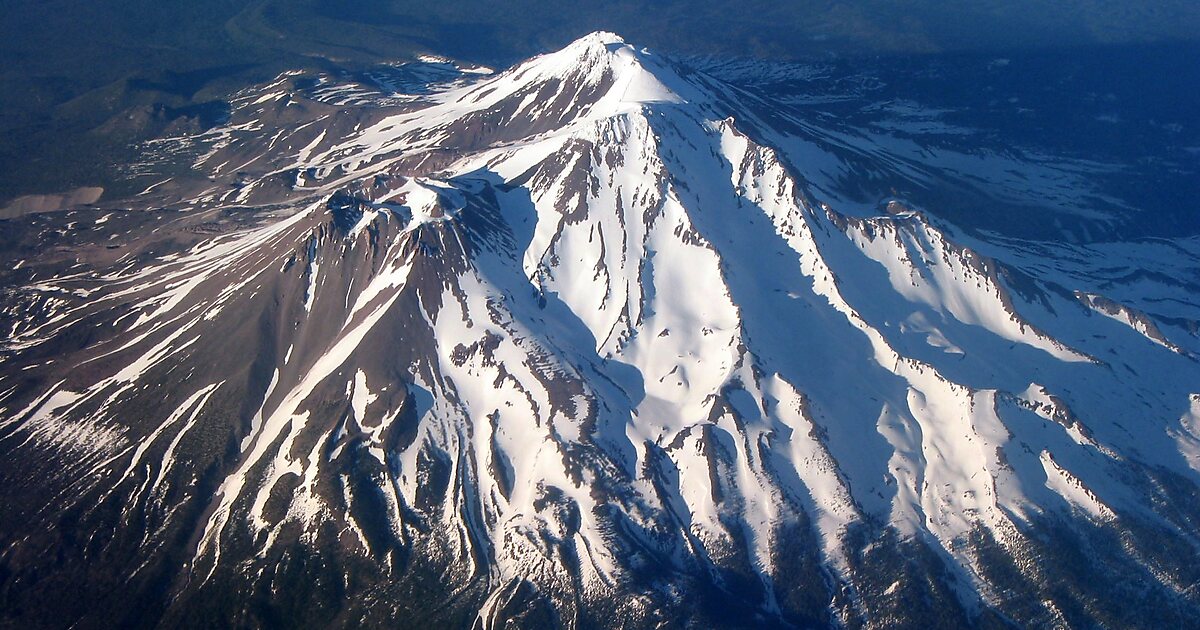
<point x="573" y="344"/>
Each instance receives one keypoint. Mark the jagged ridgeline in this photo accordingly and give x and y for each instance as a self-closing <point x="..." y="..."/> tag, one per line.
<point x="575" y="344"/>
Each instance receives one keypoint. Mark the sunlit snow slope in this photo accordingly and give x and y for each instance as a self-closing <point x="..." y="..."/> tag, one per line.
<point x="578" y="344"/>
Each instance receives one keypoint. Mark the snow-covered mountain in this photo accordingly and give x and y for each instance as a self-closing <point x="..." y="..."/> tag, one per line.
<point x="580" y="343"/>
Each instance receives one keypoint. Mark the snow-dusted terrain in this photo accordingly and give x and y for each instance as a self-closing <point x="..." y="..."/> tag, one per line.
<point x="590" y="341"/>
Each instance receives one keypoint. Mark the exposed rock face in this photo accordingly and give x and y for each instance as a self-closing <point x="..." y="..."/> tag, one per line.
<point x="573" y="345"/>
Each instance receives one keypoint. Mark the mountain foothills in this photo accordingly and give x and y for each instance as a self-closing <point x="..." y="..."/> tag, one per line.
<point x="593" y="341"/>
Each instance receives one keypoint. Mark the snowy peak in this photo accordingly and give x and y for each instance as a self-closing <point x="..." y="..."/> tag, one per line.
<point x="600" y="58"/>
<point x="572" y="92"/>
<point x="598" y="48"/>
<point x="602" y="38"/>
<point x="597" y="75"/>
<point x="568" y="339"/>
